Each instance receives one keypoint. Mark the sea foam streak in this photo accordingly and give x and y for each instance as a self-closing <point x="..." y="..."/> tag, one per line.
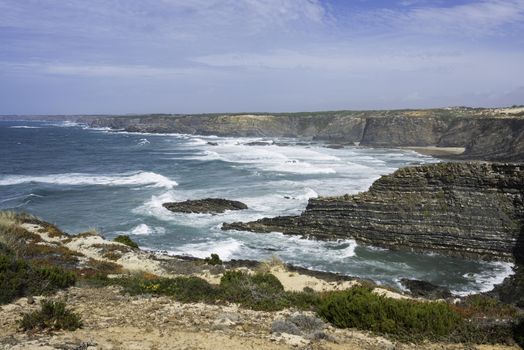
<point x="24" y="127"/>
<point x="140" y="178"/>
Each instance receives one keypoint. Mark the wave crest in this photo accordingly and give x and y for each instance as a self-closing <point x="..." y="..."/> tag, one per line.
<point x="140" y="178"/>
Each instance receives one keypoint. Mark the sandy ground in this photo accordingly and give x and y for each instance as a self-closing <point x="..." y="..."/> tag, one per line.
<point x="437" y="151"/>
<point x="510" y="110"/>
<point x="116" y="321"/>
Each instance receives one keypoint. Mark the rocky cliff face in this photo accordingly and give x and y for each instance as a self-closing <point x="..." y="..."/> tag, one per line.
<point x="465" y="209"/>
<point x="484" y="134"/>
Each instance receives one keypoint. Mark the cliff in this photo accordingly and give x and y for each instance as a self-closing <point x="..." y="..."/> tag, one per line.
<point x="465" y="209"/>
<point x="486" y="134"/>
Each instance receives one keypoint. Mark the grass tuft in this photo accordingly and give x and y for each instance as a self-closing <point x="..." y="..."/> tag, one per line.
<point x="52" y="315"/>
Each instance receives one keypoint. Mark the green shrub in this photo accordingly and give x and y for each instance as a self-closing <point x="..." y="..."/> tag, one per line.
<point x="360" y="308"/>
<point x="53" y="316"/>
<point x="185" y="289"/>
<point x="214" y="259"/>
<point x="261" y="291"/>
<point x="54" y="278"/>
<point x="124" y="239"/>
<point x="19" y="278"/>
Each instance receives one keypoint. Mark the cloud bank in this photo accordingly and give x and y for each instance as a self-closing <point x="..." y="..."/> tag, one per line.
<point x="189" y="56"/>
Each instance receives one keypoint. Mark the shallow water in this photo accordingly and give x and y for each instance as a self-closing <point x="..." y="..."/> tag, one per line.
<point x="116" y="182"/>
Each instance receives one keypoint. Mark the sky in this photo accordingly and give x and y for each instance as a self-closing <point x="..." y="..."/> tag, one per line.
<point x="196" y="56"/>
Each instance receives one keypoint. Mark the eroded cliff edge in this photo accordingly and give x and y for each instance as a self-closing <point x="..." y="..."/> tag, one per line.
<point x="468" y="209"/>
<point x="486" y="134"/>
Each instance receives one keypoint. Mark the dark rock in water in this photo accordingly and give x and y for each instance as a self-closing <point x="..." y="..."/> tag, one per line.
<point x="211" y="143"/>
<point x="511" y="290"/>
<point x="259" y="143"/>
<point x="462" y="209"/>
<point x="205" y="206"/>
<point x="425" y="289"/>
<point x="335" y="146"/>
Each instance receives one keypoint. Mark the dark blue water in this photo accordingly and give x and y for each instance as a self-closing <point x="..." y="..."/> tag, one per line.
<point x="116" y="182"/>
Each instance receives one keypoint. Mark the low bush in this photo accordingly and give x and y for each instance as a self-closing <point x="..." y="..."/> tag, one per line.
<point x="482" y="306"/>
<point x="306" y="326"/>
<point x="19" y="278"/>
<point x="124" y="239"/>
<point x="214" y="259"/>
<point x="53" y="315"/>
<point x="185" y="289"/>
<point x="360" y="308"/>
<point x="261" y="291"/>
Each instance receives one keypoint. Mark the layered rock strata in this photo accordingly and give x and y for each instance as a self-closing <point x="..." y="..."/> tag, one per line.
<point x="465" y="209"/>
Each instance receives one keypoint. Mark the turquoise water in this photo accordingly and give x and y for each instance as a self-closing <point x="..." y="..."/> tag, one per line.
<point x="116" y="182"/>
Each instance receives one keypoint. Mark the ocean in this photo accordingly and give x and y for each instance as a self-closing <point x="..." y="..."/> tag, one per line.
<point x="115" y="182"/>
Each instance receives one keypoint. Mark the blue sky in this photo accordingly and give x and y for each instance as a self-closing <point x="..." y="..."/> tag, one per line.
<point x="191" y="56"/>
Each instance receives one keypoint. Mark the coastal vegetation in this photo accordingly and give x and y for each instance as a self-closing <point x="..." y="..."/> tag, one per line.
<point x="213" y="259"/>
<point x="29" y="267"/>
<point x="124" y="239"/>
<point x="53" y="315"/>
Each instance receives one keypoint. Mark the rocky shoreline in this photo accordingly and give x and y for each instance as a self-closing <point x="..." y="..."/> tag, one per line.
<point x="467" y="209"/>
<point x="484" y="134"/>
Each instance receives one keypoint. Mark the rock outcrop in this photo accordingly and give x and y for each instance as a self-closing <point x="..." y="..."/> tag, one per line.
<point x="486" y="134"/>
<point x="205" y="206"/>
<point x="465" y="209"/>
<point x="424" y="289"/>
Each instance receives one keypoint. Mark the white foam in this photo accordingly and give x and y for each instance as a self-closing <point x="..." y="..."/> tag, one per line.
<point x="294" y="249"/>
<point x="291" y="159"/>
<point x="225" y="249"/>
<point x="153" y="207"/>
<point x="143" y="142"/>
<point x="140" y="178"/>
<point x="67" y="124"/>
<point x="24" y="127"/>
<point x="145" y="230"/>
<point x="487" y="279"/>
<point x="103" y="129"/>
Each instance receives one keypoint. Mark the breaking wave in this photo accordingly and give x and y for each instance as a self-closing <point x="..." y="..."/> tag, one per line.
<point x="140" y="178"/>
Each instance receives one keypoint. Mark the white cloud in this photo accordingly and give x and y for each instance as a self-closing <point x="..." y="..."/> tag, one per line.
<point x="485" y="17"/>
<point x="344" y="60"/>
<point x="164" y="18"/>
<point x="120" y="71"/>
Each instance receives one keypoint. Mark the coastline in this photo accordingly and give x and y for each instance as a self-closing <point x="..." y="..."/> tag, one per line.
<point x="156" y="321"/>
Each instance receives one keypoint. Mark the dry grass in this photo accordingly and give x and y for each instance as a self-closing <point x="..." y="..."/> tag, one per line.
<point x="267" y="266"/>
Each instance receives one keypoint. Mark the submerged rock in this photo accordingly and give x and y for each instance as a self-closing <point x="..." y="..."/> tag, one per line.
<point x="465" y="209"/>
<point x="425" y="289"/>
<point x="205" y="206"/>
<point x="259" y="143"/>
